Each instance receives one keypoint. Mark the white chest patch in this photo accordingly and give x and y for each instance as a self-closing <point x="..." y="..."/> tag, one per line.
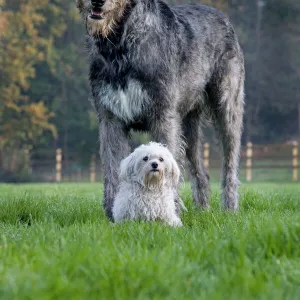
<point x="127" y="104"/>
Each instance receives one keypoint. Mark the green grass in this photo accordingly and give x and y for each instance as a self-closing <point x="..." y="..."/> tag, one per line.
<point x="55" y="243"/>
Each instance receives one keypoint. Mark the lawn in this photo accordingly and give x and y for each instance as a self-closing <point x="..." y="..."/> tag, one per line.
<point x="55" y="243"/>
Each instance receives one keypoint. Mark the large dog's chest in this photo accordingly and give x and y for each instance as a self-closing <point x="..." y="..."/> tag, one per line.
<point x="128" y="103"/>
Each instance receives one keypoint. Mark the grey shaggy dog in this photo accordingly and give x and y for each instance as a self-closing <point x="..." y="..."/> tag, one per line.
<point x="165" y="69"/>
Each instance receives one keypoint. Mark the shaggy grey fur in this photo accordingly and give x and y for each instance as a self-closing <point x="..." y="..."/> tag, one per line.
<point x="164" y="69"/>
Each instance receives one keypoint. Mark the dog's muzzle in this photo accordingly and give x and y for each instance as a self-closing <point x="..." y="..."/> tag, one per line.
<point x="96" y="12"/>
<point x="154" y="166"/>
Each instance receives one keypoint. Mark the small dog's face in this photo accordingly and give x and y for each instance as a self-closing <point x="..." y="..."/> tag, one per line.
<point x="100" y="16"/>
<point x="152" y="168"/>
<point x="150" y="165"/>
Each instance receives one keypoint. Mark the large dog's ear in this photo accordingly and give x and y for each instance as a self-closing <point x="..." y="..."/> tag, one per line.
<point x="80" y="5"/>
<point x="127" y="168"/>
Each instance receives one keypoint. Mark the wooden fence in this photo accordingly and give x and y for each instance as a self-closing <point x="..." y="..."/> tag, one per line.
<point x="258" y="163"/>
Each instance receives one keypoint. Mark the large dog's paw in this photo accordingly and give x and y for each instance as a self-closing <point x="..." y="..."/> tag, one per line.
<point x="230" y="199"/>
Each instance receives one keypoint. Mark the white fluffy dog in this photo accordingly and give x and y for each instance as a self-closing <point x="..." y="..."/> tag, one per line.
<point x="148" y="184"/>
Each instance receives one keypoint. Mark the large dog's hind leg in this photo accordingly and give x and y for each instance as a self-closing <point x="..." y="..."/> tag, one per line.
<point x="199" y="176"/>
<point x="114" y="146"/>
<point x="228" y="98"/>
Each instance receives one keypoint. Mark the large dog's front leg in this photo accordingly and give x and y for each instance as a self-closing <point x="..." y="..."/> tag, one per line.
<point x="167" y="130"/>
<point x="114" y="146"/>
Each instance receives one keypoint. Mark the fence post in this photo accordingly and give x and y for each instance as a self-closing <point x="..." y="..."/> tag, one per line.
<point x="93" y="169"/>
<point x="206" y="155"/>
<point x="249" y="156"/>
<point x="58" y="165"/>
<point x="295" y="161"/>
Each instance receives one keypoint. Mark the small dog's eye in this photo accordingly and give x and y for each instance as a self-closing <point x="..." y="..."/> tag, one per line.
<point x="161" y="159"/>
<point x="145" y="158"/>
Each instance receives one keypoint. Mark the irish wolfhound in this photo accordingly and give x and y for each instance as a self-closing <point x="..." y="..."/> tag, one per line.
<point x="162" y="69"/>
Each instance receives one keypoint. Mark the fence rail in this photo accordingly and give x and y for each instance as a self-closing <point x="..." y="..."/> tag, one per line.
<point x="258" y="163"/>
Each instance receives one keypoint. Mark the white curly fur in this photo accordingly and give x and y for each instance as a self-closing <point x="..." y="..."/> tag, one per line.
<point x="145" y="194"/>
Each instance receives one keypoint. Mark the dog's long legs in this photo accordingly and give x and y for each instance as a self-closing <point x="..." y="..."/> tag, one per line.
<point x="114" y="147"/>
<point x="199" y="176"/>
<point x="228" y="118"/>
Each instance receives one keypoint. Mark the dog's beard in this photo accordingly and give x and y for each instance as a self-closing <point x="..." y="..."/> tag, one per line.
<point x="98" y="27"/>
<point x="110" y="17"/>
<point x="153" y="179"/>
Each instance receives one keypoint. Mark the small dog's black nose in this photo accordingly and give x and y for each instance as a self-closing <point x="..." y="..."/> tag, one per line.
<point x="154" y="165"/>
<point x="97" y="3"/>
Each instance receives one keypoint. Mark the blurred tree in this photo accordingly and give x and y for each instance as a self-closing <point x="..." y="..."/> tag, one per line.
<point x="63" y="81"/>
<point x="269" y="33"/>
<point x="22" y="121"/>
<point x="52" y="68"/>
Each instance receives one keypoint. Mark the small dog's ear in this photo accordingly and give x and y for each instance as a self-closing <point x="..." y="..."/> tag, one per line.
<point x="127" y="167"/>
<point x="175" y="172"/>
